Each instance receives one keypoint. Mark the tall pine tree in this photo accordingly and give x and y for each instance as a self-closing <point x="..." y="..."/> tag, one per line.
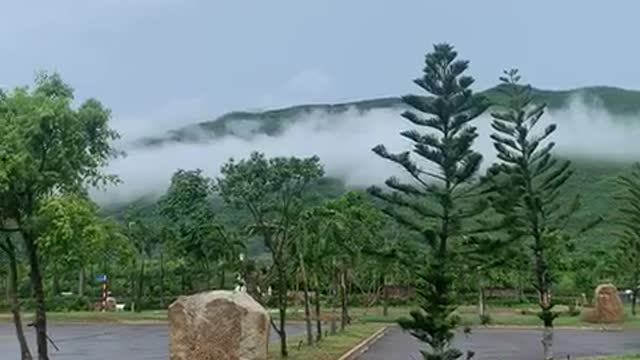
<point x="436" y="202"/>
<point x="628" y="218"/>
<point x="529" y="181"/>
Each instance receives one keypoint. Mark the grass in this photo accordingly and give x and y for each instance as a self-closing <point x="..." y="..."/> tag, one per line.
<point x="96" y="317"/>
<point x="521" y="315"/>
<point x="330" y="348"/>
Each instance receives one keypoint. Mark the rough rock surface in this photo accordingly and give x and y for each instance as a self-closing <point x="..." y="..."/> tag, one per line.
<point x="218" y="325"/>
<point x="607" y="305"/>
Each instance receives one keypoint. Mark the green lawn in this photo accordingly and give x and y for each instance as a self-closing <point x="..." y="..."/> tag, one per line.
<point x="523" y="315"/>
<point x="92" y="316"/>
<point x="329" y="348"/>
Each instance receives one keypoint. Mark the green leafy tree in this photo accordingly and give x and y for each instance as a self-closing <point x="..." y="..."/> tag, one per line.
<point x="48" y="146"/>
<point x="436" y="204"/>
<point x="71" y="234"/>
<point x="303" y="247"/>
<point x="187" y="206"/>
<point x="353" y="224"/>
<point x="486" y="258"/>
<point x="395" y="256"/>
<point x="330" y="240"/>
<point x="628" y="250"/>
<point x="314" y="250"/>
<point x="529" y="183"/>
<point x="144" y="236"/>
<point x="272" y="190"/>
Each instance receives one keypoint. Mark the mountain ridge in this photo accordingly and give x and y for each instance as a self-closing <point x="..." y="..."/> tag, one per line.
<point x="615" y="100"/>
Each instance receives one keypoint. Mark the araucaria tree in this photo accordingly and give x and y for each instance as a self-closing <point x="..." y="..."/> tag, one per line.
<point x="272" y="191"/>
<point x="47" y="146"/>
<point x="628" y="254"/>
<point x="529" y="183"/>
<point x="438" y="202"/>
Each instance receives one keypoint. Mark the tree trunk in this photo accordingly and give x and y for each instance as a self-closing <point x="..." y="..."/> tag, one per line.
<point x="140" y="287"/>
<point x="40" y="322"/>
<point x="334" y="293"/>
<point x="520" y="287"/>
<point x="318" y="317"/>
<point x="223" y="277"/>
<point x="344" y="315"/>
<point x="385" y="295"/>
<point x="547" y="342"/>
<point x="307" y="308"/>
<point x="482" y="306"/>
<point x="208" y="273"/>
<point x="634" y="292"/>
<point x="132" y="287"/>
<point x="282" y="305"/>
<point x="162" y="279"/>
<point x="183" y="282"/>
<point x="12" y="283"/>
<point x="82" y="281"/>
<point x="547" y="315"/>
<point x="55" y="282"/>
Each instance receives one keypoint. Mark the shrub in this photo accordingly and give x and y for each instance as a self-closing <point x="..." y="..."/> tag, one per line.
<point x="68" y="303"/>
<point x="485" y="319"/>
<point x="4" y="306"/>
<point x="60" y="303"/>
<point x="573" y="310"/>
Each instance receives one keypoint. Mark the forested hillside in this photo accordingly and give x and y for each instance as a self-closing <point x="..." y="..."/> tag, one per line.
<point x="615" y="101"/>
<point x="594" y="180"/>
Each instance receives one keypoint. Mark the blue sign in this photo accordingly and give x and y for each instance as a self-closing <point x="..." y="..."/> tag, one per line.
<point x="101" y="278"/>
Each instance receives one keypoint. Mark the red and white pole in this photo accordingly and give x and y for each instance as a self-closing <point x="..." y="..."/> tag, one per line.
<point x="104" y="293"/>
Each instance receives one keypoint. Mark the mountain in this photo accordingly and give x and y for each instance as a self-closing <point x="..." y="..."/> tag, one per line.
<point x="594" y="179"/>
<point x="616" y="101"/>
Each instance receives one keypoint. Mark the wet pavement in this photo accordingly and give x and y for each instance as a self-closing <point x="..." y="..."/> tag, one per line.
<point x="150" y="342"/>
<point x="103" y="341"/>
<point x="513" y="344"/>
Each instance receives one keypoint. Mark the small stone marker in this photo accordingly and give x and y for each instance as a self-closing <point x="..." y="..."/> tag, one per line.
<point x="218" y="325"/>
<point x="607" y="305"/>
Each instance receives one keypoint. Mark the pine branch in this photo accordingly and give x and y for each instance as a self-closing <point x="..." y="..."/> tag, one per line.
<point x="408" y="189"/>
<point x="395" y="198"/>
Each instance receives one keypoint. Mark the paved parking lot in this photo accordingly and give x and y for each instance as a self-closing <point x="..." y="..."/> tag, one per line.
<point x="103" y="341"/>
<point x="150" y="342"/>
<point x="513" y="344"/>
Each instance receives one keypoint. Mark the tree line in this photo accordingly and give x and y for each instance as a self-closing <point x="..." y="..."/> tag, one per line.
<point x="430" y="229"/>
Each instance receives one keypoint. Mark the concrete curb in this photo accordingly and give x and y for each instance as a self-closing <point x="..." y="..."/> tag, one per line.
<point x="363" y="346"/>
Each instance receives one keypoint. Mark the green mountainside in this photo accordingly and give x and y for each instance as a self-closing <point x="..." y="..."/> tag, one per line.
<point x="616" y="101"/>
<point x="594" y="180"/>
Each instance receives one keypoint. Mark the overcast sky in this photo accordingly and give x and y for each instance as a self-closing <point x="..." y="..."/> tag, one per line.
<point x="169" y="62"/>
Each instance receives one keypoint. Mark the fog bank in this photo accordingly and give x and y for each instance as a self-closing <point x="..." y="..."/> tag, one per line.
<point x="344" y="141"/>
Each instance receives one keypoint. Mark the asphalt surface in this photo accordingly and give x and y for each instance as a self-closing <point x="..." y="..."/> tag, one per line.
<point x="512" y="344"/>
<point x="103" y="341"/>
<point x="150" y="342"/>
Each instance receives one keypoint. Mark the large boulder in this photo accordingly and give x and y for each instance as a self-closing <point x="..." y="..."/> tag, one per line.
<point x="218" y="325"/>
<point x="607" y="305"/>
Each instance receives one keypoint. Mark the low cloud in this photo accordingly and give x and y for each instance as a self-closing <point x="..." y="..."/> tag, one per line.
<point x="344" y="141"/>
<point x="173" y="114"/>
